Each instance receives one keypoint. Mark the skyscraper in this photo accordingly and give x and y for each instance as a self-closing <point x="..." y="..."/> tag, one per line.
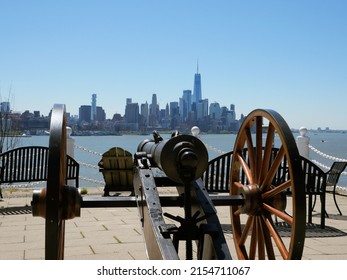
<point x="154" y="107"/>
<point x="85" y="112"/>
<point x="5" y="107"/>
<point x="202" y="109"/>
<point x="185" y="105"/>
<point x="145" y="112"/>
<point x="93" y="112"/>
<point x="132" y="115"/>
<point x="197" y="96"/>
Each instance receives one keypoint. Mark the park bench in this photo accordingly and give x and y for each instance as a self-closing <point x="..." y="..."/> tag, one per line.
<point x="217" y="176"/>
<point x="333" y="176"/>
<point x="30" y="164"/>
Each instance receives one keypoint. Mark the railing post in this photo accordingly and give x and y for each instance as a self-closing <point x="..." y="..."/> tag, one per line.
<point x="303" y="141"/>
<point x="195" y="131"/>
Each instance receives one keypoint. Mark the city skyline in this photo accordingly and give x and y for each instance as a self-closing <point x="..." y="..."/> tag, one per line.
<point x="289" y="56"/>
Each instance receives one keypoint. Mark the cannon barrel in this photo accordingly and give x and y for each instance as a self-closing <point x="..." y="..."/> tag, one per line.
<point x="182" y="158"/>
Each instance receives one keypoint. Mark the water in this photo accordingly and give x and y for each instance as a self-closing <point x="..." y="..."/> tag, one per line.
<point x="333" y="144"/>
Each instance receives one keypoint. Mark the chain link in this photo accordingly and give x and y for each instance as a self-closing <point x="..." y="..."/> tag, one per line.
<point x="91" y="180"/>
<point x="325" y="155"/>
<point x="88" y="150"/>
<point x="88" y="165"/>
<point x="209" y="147"/>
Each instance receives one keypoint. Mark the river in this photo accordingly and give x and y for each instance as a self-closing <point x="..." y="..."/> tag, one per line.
<point x="333" y="144"/>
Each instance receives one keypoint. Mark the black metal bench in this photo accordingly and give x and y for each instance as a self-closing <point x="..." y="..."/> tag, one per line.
<point x="30" y="164"/>
<point x="217" y="176"/>
<point x="315" y="184"/>
<point x="333" y="177"/>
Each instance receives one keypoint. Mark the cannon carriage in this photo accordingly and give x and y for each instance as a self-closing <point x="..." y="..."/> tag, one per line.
<point x="261" y="196"/>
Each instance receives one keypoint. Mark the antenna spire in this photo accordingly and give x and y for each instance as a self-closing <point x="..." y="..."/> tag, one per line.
<point x="197" y="66"/>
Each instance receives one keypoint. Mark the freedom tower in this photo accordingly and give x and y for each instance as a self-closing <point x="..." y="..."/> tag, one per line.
<point x="197" y="86"/>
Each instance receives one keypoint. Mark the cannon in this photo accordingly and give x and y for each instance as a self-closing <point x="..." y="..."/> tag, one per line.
<point x="265" y="191"/>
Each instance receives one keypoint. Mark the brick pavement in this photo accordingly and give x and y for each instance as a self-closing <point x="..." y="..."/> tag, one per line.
<point x="115" y="233"/>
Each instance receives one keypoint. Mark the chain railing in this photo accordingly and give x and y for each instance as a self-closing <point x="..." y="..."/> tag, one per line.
<point x="84" y="149"/>
<point x="209" y="147"/>
<point x="325" y="167"/>
<point x="88" y="165"/>
<point x="324" y="155"/>
<point x="29" y="185"/>
<point x="214" y="149"/>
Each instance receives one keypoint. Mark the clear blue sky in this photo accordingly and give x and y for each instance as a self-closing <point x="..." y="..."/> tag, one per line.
<point x="290" y="56"/>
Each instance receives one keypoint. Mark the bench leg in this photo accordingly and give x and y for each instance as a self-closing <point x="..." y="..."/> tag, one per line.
<point x="334" y="196"/>
<point x="323" y="211"/>
<point x="310" y="208"/>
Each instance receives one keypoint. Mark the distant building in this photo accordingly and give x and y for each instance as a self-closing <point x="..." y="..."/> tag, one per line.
<point x="197" y="94"/>
<point x="153" y="112"/>
<point x="85" y="112"/>
<point x="100" y="115"/>
<point x="174" y="115"/>
<point x="185" y="104"/>
<point x="132" y="115"/>
<point x="202" y="109"/>
<point x="215" y="111"/>
<point x="233" y="112"/>
<point x="144" y="113"/>
<point x="93" y="108"/>
<point x="5" y="107"/>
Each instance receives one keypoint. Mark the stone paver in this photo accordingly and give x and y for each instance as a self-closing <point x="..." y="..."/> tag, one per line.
<point x="115" y="233"/>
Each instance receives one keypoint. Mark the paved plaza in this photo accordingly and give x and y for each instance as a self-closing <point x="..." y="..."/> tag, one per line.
<point x="116" y="234"/>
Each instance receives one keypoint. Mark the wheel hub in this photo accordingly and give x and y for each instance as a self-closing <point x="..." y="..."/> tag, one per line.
<point x="253" y="201"/>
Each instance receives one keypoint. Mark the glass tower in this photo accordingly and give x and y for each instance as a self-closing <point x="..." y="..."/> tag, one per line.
<point x="93" y="108"/>
<point x="197" y="96"/>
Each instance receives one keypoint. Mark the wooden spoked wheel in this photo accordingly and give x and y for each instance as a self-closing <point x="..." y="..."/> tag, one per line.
<point x="266" y="171"/>
<point x="55" y="224"/>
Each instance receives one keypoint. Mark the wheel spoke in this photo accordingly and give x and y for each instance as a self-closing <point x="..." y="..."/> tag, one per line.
<point x="285" y="217"/>
<point x="276" y="237"/>
<point x="237" y="212"/>
<point x="246" y="169"/>
<point x="267" y="152"/>
<point x="259" y="146"/>
<point x="273" y="169"/>
<point x="245" y="231"/>
<point x="250" y="150"/>
<point x="261" y="248"/>
<point x="267" y="240"/>
<point x="275" y="191"/>
<point x="238" y="184"/>
<point x="253" y="244"/>
<point x="237" y="231"/>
